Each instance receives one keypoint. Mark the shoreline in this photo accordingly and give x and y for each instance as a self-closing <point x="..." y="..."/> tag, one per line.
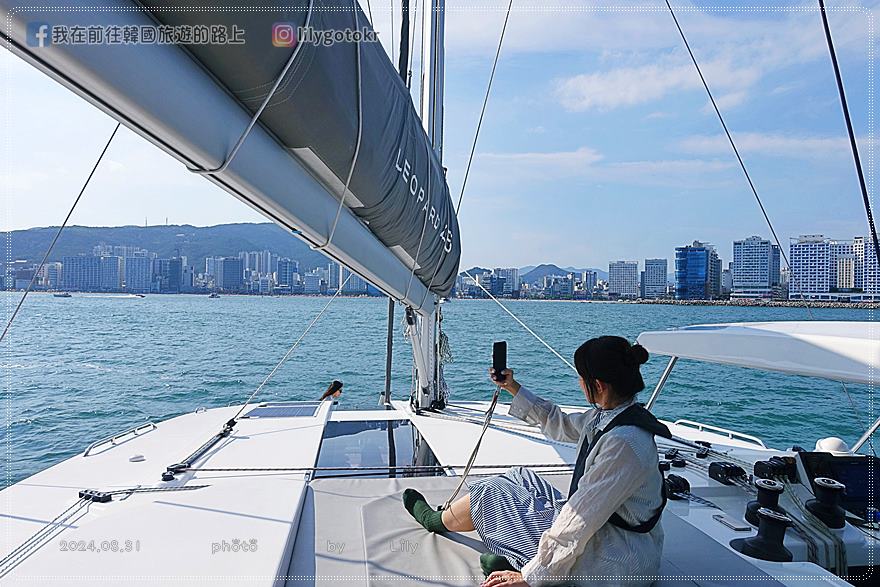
<point x="729" y="303"/>
<point x="659" y="302"/>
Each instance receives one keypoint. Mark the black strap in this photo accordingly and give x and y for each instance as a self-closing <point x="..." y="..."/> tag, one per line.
<point x="645" y="526"/>
<point x="635" y="415"/>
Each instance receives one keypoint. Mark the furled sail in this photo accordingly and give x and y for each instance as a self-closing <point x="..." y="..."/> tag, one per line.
<point x="341" y="114"/>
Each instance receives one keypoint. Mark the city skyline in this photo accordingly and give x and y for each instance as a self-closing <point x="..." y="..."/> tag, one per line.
<point x="822" y="269"/>
<point x="597" y="155"/>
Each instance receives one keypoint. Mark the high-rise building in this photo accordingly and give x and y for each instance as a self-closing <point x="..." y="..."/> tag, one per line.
<point x="727" y="280"/>
<point x="809" y="256"/>
<point x="138" y="274"/>
<point x="286" y="274"/>
<point x="697" y="272"/>
<point x="589" y="280"/>
<point x="211" y="264"/>
<point x="81" y="273"/>
<point x="313" y="283"/>
<point x="655" y="278"/>
<point x="623" y="279"/>
<point x="334" y="276"/>
<point x="111" y="273"/>
<point x="229" y="274"/>
<point x="756" y="269"/>
<point x="510" y="275"/>
<point x="170" y="275"/>
<point x="831" y="269"/>
<point x="50" y="276"/>
<point x="355" y="285"/>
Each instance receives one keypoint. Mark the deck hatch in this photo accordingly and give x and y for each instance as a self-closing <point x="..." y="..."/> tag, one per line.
<point x="285" y="410"/>
<point x="375" y="448"/>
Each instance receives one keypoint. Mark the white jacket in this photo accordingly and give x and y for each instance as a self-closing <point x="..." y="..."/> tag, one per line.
<point x="621" y="475"/>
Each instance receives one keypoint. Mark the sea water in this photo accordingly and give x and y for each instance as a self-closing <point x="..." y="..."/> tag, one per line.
<point x="81" y="368"/>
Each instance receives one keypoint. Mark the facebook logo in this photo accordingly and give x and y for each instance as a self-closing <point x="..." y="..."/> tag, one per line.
<point x="39" y="34"/>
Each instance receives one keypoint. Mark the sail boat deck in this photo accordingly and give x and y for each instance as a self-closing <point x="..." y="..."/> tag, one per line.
<point x="312" y="530"/>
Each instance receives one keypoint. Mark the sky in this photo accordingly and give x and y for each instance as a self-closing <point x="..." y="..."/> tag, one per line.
<point x="598" y="143"/>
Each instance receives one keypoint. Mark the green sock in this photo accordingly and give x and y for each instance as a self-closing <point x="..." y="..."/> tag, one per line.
<point x="493" y="562"/>
<point x="415" y="504"/>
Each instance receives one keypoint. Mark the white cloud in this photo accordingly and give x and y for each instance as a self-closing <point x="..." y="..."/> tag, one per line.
<point x="629" y="86"/>
<point x="726" y="102"/>
<point x="772" y="145"/>
<point x="735" y="52"/>
<point x="587" y="163"/>
<point x="571" y="160"/>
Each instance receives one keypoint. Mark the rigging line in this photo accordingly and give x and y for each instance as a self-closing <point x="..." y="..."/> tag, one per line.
<point x="483" y="110"/>
<point x="58" y="234"/>
<point x="247" y="131"/>
<point x="412" y="45"/>
<point x="293" y="348"/>
<point x="473" y="457"/>
<point x="476" y="138"/>
<point x="370" y="12"/>
<point x="521" y="323"/>
<point x="742" y="164"/>
<point x="40" y="537"/>
<point x="403" y="468"/>
<point x="418" y="251"/>
<point x="849" y="128"/>
<point x="422" y="56"/>
<point x="856" y="159"/>
<point x="858" y="415"/>
<point x="733" y="145"/>
<point x="357" y="148"/>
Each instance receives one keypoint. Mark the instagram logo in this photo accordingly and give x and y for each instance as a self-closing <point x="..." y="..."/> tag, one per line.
<point x="283" y="34"/>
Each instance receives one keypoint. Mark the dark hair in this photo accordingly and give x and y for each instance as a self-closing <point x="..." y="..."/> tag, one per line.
<point x="334" y="387"/>
<point x="613" y="360"/>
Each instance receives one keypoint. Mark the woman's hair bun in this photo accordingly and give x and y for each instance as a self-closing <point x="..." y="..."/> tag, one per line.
<point x="637" y="354"/>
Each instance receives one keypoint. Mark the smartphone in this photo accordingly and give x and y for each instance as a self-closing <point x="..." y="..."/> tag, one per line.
<point x="735" y="525"/>
<point x="499" y="359"/>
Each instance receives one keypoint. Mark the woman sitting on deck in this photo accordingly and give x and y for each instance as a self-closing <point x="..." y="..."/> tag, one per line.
<point x="606" y="530"/>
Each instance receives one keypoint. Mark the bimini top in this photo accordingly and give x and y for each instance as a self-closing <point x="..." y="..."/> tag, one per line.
<point x="842" y="351"/>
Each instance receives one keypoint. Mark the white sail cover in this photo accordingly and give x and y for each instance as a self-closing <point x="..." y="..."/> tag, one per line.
<point x="842" y="351"/>
<point x="341" y="110"/>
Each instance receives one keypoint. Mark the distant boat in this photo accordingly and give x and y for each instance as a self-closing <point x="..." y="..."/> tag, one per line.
<point x="63" y="294"/>
<point x="214" y="294"/>
<point x="140" y="295"/>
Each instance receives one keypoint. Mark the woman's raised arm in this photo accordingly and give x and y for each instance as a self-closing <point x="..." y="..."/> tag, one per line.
<point x="530" y="408"/>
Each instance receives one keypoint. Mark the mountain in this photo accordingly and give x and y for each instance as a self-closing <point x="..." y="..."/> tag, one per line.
<point x="474" y="271"/>
<point x="541" y="271"/>
<point x="194" y="242"/>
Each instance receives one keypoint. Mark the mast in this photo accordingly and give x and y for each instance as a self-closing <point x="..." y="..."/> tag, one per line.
<point x="424" y="327"/>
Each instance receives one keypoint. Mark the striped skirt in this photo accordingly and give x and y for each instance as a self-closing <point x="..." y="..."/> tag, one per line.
<point x="511" y="511"/>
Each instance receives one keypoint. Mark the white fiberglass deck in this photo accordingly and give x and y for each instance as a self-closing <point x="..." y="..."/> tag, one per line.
<point x="320" y="531"/>
<point x="176" y="536"/>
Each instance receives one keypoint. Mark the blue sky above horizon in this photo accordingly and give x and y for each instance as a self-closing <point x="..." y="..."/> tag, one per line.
<point x="599" y="143"/>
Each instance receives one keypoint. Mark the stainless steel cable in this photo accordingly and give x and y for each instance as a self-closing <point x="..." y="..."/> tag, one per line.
<point x="61" y="228"/>
<point x="467" y="169"/>
<point x="521" y="323"/>
<point x="292" y="348"/>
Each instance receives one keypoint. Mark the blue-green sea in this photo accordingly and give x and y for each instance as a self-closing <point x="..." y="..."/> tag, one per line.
<point x="81" y="368"/>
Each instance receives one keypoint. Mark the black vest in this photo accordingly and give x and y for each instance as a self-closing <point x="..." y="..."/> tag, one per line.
<point x="635" y="415"/>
